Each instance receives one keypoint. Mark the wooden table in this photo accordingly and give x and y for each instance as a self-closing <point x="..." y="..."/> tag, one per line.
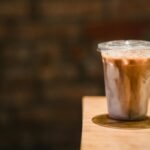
<point x="97" y="137"/>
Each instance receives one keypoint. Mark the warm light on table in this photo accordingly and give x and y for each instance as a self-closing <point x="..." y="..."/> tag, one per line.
<point x="95" y="137"/>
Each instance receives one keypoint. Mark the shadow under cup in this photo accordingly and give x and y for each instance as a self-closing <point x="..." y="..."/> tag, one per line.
<point x="126" y="66"/>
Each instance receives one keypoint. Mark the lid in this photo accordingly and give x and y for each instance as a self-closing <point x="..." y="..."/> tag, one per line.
<point x="123" y="44"/>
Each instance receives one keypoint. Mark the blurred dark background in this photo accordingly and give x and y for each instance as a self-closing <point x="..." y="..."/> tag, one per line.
<point x="48" y="61"/>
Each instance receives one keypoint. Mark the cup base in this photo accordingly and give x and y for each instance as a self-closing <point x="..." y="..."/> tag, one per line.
<point x="106" y="121"/>
<point x="127" y="118"/>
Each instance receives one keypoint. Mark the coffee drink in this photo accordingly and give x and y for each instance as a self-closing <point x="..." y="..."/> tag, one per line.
<point x="127" y="78"/>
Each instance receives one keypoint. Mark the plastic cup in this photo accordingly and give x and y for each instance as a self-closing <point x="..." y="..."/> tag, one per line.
<point x="126" y="66"/>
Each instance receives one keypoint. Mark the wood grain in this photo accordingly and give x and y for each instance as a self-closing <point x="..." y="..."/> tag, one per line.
<point x="96" y="137"/>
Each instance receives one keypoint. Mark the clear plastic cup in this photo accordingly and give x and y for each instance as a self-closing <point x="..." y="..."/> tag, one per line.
<point x="126" y="66"/>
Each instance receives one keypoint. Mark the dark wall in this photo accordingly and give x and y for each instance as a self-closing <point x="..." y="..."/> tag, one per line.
<point x="48" y="61"/>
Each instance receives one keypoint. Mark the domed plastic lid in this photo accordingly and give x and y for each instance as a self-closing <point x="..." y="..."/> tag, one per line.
<point x="125" y="49"/>
<point x="124" y="44"/>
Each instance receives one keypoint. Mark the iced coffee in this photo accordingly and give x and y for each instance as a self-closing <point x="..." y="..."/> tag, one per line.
<point x="127" y="78"/>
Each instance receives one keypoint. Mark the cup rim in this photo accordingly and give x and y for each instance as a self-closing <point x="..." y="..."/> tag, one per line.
<point x="123" y="44"/>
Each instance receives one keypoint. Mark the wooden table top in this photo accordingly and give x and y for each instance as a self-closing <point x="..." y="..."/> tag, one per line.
<point x="99" y="137"/>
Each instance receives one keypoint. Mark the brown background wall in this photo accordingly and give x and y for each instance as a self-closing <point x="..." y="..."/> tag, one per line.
<point x="48" y="61"/>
